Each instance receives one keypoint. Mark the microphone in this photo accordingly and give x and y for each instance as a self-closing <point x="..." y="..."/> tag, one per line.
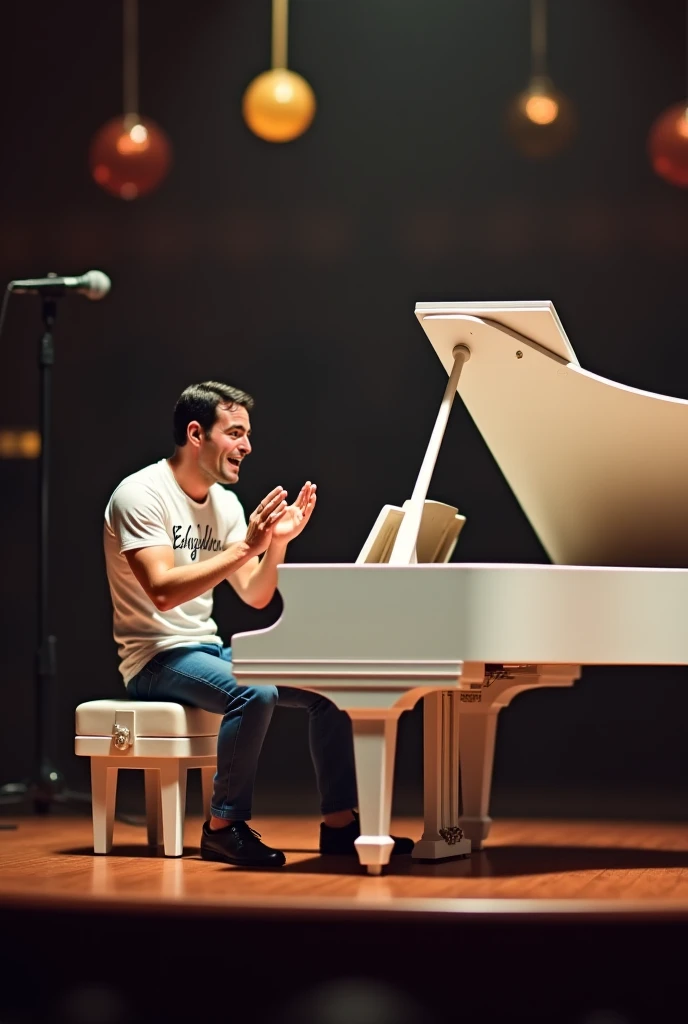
<point x="94" y="284"/>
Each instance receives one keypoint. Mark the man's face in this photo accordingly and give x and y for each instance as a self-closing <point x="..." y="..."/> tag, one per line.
<point x="227" y="445"/>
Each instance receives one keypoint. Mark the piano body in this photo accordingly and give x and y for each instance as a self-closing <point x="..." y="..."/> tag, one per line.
<point x="598" y="468"/>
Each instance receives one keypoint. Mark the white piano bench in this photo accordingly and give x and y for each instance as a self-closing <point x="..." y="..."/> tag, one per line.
<point x="162" y="738"/>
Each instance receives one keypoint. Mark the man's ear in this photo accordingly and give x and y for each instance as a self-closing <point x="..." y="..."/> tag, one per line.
<point x="194" y="433"/>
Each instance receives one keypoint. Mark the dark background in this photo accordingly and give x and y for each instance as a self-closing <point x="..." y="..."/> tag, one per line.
<point x="292" y="271"/>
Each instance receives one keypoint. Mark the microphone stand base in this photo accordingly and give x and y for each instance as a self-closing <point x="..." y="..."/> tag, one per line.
<point x="43" y="792"/>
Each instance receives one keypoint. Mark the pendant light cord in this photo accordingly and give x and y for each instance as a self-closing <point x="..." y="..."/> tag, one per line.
<point x="280" y="18"/>
<point x="130" y="69"/>
<point x="538" y="37"/>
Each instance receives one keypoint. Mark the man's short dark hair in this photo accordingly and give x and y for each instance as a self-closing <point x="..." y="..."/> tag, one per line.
<point x="200" y="401"/>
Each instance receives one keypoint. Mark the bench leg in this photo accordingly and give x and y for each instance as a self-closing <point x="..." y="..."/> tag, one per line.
<point x="153" y="806"/>
<point x="103" y="796"/>
<point x="207" y="776"/>
<point x="173" y="793"/>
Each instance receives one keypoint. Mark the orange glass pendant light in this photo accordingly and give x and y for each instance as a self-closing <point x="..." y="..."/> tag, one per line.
<point x="130" y="155"/>
<point x="540" y="121"/>
<point x="668" y="145"/>
<point x="279" y="105"/>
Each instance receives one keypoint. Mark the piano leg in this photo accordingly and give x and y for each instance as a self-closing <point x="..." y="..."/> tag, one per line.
<point x="477" y="732"/>
<point x="442" y="836"/>
<point x="374" y="749"/>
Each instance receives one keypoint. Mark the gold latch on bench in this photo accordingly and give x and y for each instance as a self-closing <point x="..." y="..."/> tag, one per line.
<point x="124" y="730"/>
<point x="121" y="736"/>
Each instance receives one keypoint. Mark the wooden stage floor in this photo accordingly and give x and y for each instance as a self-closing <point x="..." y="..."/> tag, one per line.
<point x="552" y="922"/>
<point x="543" y="867"/>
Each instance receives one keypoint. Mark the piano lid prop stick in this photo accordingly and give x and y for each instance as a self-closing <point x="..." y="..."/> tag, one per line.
<point x="404" y="550"/>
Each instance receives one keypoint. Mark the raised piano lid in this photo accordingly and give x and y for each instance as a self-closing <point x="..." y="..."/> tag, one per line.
<point x="536" y="320"/>
<point x="599" y="468"/>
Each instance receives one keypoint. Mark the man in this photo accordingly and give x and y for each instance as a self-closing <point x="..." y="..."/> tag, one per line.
<point x="172" y="533"/>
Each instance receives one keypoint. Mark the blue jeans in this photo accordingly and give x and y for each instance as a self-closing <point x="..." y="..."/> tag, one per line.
<point x="201" y="677"/>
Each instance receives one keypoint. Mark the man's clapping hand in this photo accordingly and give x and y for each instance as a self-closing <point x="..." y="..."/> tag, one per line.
<point x="274" y="519"/>
<point x="263" y="519"/>
<point x="294" y="517"/>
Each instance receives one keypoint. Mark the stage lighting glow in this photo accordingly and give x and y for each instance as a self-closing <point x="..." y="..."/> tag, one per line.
<point x="16" y="443"/>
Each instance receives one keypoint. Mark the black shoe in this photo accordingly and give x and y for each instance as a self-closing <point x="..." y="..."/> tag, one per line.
<point x="238" y="844"/>
<point x="341" y="840"/>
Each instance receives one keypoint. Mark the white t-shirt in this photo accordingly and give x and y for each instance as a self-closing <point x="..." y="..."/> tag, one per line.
<point x="149" y="509"/>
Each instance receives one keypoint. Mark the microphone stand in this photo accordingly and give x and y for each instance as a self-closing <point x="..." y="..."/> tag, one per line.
<point x="46" y="786"/>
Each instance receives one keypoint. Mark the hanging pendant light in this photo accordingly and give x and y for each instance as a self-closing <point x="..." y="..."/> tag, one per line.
<point x="279" y="105"/>
<point x="668" y="139"/>
<point x="540" y="121"/>
<point x="130" y="155"/>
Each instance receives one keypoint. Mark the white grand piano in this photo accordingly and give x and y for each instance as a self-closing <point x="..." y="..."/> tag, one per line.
<point x="599" y="470"/>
